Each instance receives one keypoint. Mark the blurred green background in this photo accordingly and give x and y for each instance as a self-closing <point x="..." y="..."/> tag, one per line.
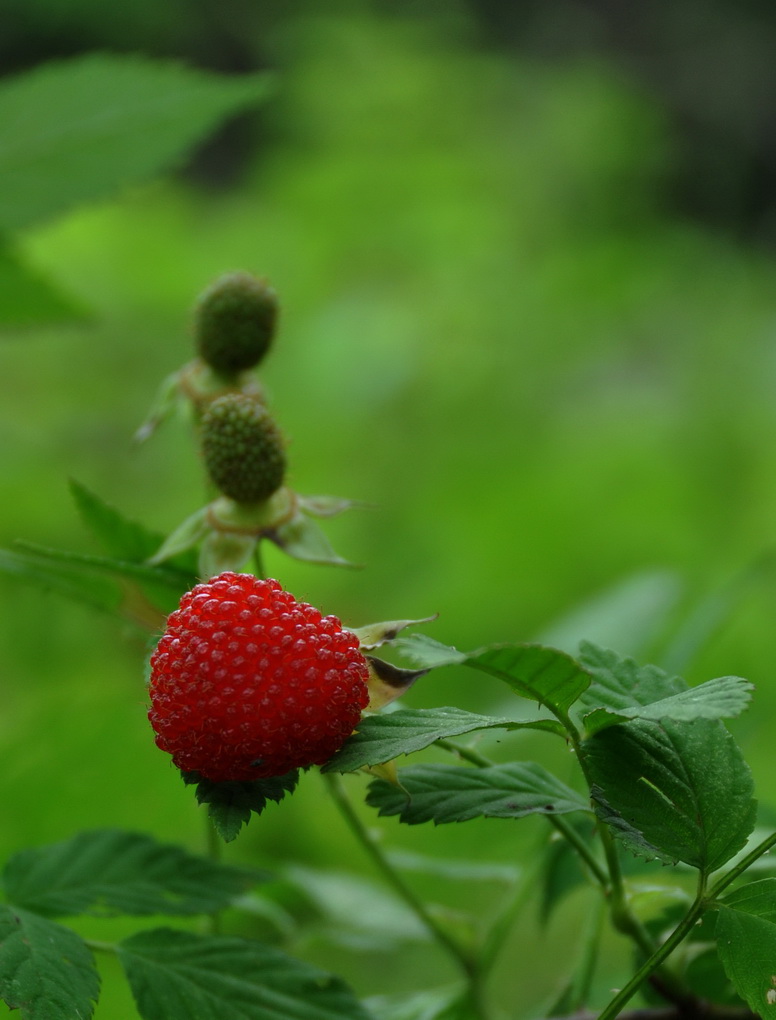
<point x="527" y="277"/>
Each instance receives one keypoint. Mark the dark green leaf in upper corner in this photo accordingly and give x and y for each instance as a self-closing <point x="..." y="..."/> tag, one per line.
<point x="230" y="804"/>
<point x="451" y="793"/>
<point x="108" y="871"/>
<point x="746" y="943"/>
<point x="81" y="129"/>
<point x="675" y="791"/>
<point x="46" y="971"/>
<point x="176" y="974"/>
<point x="380" y="738"/>
<point x="27" y="298"/>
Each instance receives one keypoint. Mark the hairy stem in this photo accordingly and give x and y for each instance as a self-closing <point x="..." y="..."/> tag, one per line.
<point x="654" y="962"/>
<point x="464" y="959"/>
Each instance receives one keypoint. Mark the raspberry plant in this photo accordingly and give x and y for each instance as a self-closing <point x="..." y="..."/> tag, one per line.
<point x="250" y="688"/>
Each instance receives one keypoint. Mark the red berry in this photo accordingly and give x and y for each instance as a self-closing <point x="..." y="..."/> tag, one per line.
<point x="246" y="682"/>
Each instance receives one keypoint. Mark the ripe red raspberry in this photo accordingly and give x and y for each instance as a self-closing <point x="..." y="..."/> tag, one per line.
<point x="247" y="683"/>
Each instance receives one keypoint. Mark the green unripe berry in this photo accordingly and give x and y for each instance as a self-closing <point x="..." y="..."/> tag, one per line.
<point x="234" y="323"/>
<point x="243" y="448"/>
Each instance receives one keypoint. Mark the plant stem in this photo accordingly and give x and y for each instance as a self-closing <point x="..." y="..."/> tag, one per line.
<point x="663" y="951"/>
<point x="101" y="947"/>
<point x="464" y="960"/>
<point x="745" y="862"/>
<point x="258" y="561"/>
<point x="213" y="850"/>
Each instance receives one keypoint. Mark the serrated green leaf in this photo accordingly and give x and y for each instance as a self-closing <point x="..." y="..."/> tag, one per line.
<point x="428" y="653"/>
<point x="722" y="698"/>
<point x="175" y="974"/>
<point x="546" y="675"/>
<point x="620" y="683"/>
<point x="124" y="539"/>
<point x="108" y="871"/>
<point x="380" y="738"/>
<point x="80" y="129"/>
<point x="46" y="971"/>
<point x="746" y="944"/>
<point x="230" y="804"/>
<point x="675" y="791"/>
<point x="757" y="898"/>
<point x="450" y="793"/>
<point x="27" y="298"/>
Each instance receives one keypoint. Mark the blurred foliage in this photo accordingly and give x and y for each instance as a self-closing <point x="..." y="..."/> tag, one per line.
<point x="556" y="391"/>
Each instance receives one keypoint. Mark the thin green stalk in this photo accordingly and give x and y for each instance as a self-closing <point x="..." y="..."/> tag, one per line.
<point x="362" y="834"/>
<point x="102" y="947"/>
<point x="653" y="963"/>
<point x="213" y="852"/>
<point x="746" y="862"/>
<point x="586" y="854"/>
<point x="258" y="561"/>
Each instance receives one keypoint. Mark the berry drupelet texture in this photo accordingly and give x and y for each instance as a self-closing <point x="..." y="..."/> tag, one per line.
<point x="235" y="322"/>
<point x="243" y="449"/>
<point x="247" y="682"/>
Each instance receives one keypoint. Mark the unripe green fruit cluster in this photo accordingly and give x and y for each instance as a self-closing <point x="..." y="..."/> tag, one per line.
<point x="234" y="323"/>
<point x="243" y="448"/>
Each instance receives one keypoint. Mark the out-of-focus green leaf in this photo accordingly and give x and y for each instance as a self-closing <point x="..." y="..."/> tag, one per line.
<point x="103" y="583"/>
<point x="450" y="793"/>
<point x="175" y="974"/>
<point x="108" y="871"/>
<point x="562" y="870"/>
<point x="433" y="1004"/>
<point x="27" y="298"/>
<point x="95" y="590"/>
<point x="230" y="804"/>
<point x="629" y="615"/>
<point x="676" y="791"/>
<point x="356" y="912"/>
<point x="380" y="738"/>
<point x="80" y="129"/>
<point x="125" y="539"/>
<point x="46" y="971"/>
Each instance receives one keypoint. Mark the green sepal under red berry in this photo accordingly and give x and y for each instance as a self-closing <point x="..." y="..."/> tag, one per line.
<point x="234" y="323"/>
<point x="231" y="803"/>
<point x="302" y="539"/>
<point x="376" y="634"/>
<point x="243" y="449"/>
